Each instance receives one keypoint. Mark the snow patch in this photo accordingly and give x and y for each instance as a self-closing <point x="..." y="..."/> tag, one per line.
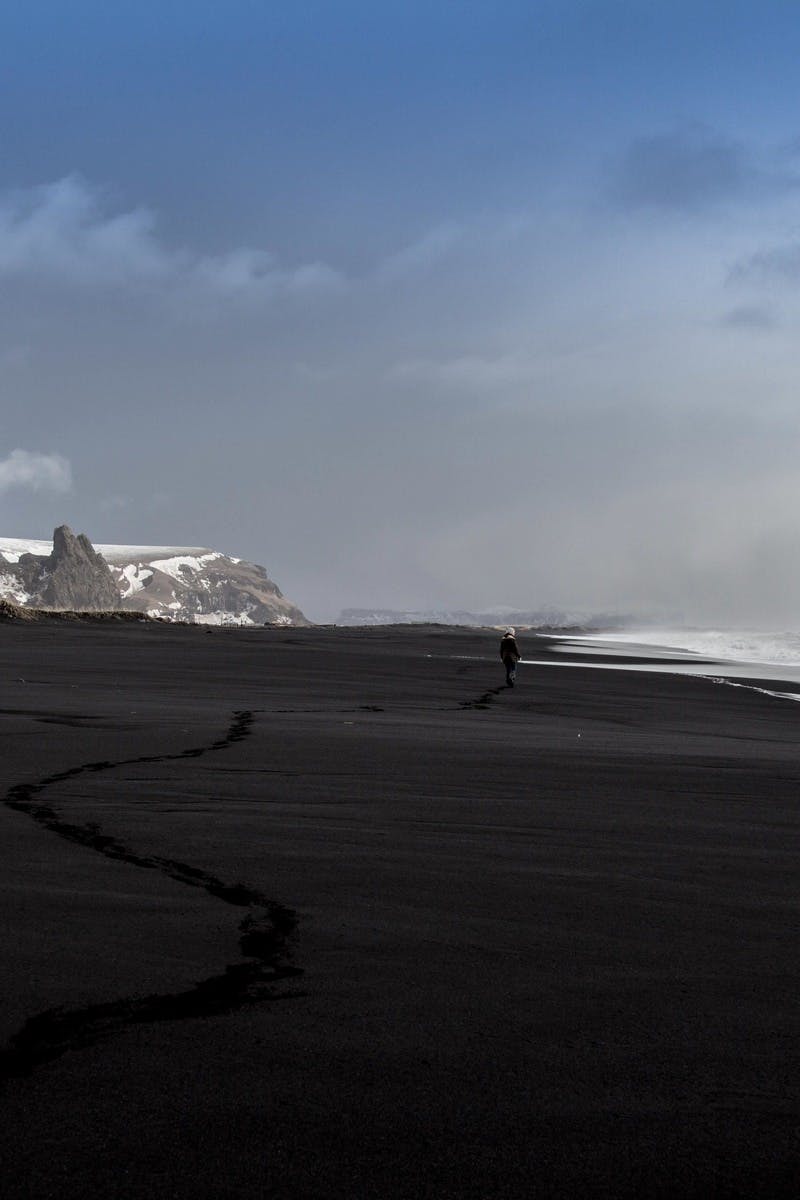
<point x="135" y="577"/>
<point x="12" y="549"/>
<point x="120" y="555"/>
<point x="11" y="589"/>
<point x="223" y="618"/>
<point x="180" y="563"/>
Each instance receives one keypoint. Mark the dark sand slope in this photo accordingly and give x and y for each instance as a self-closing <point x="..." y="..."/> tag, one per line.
<point x="546" y="940"/>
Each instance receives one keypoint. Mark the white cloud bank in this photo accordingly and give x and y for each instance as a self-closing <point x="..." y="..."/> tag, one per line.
<point x="40" y="472"/>
<point x="60" y="232"/>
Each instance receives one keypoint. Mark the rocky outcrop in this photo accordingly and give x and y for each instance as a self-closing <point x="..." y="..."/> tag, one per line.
<point x="14" y="612"/>
<point x="178" y="583"/>
<point x="76" y="576"/>
<point x="72" y="576"/>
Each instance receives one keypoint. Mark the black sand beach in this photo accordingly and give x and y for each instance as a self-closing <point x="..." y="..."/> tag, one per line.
<point x="332" y="913"/>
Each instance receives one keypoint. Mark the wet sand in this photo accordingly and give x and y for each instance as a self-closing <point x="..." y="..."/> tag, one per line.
<point x="326" y="912"/>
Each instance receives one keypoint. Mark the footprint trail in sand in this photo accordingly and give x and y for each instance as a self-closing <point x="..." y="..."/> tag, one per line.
<point x="264" y="933"/>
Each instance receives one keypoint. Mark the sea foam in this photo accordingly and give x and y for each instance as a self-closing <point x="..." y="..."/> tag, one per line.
<point x="735" y="645"/>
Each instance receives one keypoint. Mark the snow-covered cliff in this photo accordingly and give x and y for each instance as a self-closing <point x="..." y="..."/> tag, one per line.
<point x="184" y="583"/>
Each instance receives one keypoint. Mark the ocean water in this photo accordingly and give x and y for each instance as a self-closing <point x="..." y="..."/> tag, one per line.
<point x="736" y="657"/>
<point x="731" y="645"/>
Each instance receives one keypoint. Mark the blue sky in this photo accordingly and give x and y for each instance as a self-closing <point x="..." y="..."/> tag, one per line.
<point x="418" y="305"/>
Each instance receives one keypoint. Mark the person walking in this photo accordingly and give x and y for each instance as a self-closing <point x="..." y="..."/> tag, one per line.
<point x="509" y="652"/>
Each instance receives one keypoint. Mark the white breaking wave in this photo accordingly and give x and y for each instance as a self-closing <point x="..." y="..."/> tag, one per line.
<point x="751" y="687"/>
<point x="734" y="645"/>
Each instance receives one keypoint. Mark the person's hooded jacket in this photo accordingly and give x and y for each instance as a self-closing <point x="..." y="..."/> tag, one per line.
<point x="508" y="646"/>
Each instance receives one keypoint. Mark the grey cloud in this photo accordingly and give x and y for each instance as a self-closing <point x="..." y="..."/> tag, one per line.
<point x="684" y="170"/>
<point x="23" y="468"/>
<point x="531" y="387"/>
<point x="255" y="274"/>
<point x="60" y="231"/>
<point x="749" y="316"/>
<point x="779" y="264"/>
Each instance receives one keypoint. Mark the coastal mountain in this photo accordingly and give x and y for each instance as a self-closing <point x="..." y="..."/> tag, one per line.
<point x="179" y="583"/>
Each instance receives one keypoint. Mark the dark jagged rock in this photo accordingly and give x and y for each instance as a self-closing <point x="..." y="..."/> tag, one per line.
<point x="76" y="576"/>
<point x="14" y="612"/>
